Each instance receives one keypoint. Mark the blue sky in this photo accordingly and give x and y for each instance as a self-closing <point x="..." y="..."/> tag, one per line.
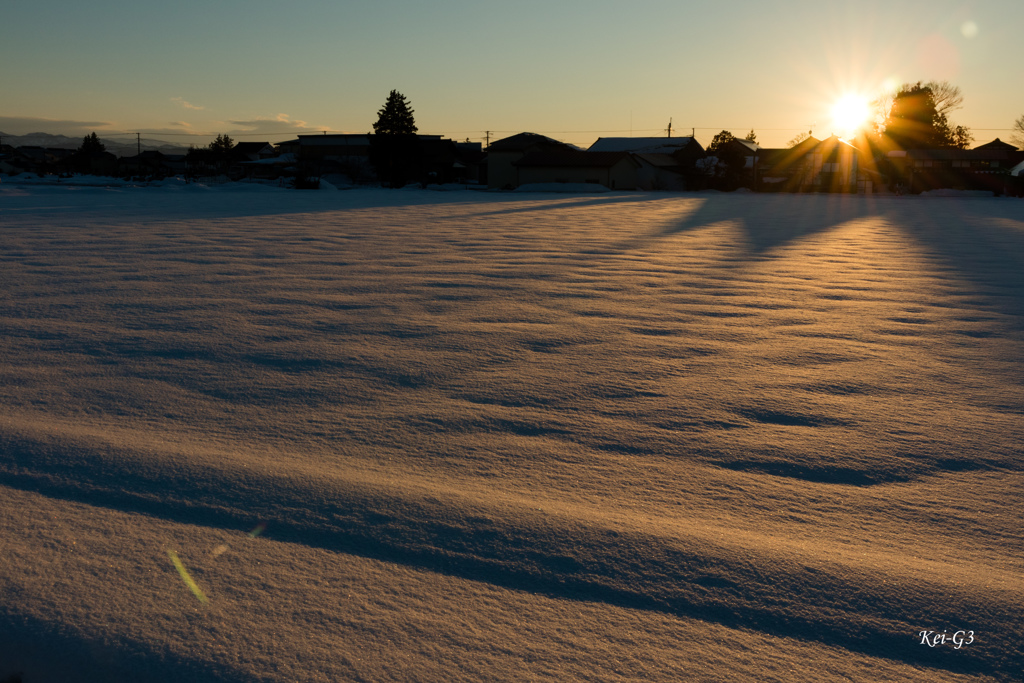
<point x="575" y="70"/>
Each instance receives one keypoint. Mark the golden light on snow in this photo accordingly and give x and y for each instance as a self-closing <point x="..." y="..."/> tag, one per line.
<point x="850" y="114"/>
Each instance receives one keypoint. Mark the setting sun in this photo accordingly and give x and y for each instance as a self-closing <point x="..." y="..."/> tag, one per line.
<point x="850" y="114"/>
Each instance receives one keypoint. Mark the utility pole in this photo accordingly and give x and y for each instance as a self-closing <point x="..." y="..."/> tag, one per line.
<point x="670" y="127"/>
<point x="138" y="144"/>
<point x="487" y="139"/>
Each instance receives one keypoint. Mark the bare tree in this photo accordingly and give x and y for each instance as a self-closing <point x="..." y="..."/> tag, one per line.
<point x="1018" y="132"/>
<point x="947" y="96"/>
<point x="800" y="137"/>
<point x="881" y="106"/>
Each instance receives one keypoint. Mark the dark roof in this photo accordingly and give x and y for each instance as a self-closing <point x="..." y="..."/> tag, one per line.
<point x="658" y="145"/>
<point x="997" y="144"/>
<point x="524" y="141"/>
<point x="249" y="147"/>
<point x="571" y="157"/>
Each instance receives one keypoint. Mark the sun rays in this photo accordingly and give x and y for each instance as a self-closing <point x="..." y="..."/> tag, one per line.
<point x="850" y="115"/>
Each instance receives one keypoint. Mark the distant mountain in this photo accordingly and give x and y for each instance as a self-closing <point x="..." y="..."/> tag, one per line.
<point x="122" y="147"/>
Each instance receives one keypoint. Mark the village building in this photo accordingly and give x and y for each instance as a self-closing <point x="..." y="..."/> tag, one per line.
<point x="502" y="155"/>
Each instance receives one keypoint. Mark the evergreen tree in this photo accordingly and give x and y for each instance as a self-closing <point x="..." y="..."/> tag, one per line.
<point x="91" y="146"/>
<point x="917" y="117"/>
<point x="220" y="152"/>
<point x="222" y="144"/>
<point x="85" y="157"/>
<point x="395" y="117"/>
<point x="394" y="147"/>
<point x="751" y="136"/>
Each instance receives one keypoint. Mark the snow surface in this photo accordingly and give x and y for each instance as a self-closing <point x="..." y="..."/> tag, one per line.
<point x="451" y="436"/>
<point x="567" y="188"/>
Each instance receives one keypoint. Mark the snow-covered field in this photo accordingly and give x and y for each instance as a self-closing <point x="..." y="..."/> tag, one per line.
<point x="469" y="436"/>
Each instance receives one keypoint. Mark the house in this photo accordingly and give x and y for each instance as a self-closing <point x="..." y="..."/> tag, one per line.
<point x="829" y="165"/>
<point x="502" y="155"/>
<point x="270" y="168"/>
<point x="152" y="163"/>
<point x="660" y="172"/>
<point x="35" y="159"/>
<point x="664" y="163"/>
<point x="781" y="169"/>
<point x="685" y="147"/>
<point x="252" y="151"/>
<point x="7" y="157"/>
<point x="471" y="162"/>
<point x="334" y="147"/>
<point x="730" y="166"/>
<point x="344" y="153"/>
<point x="986" y="167"/>
<point x="614" y="170"/>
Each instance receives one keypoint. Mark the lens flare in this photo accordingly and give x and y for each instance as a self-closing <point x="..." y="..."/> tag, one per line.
<point x="192" y="585"/>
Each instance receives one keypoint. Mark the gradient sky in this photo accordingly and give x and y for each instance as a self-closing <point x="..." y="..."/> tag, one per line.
<point x="572" y="69"/>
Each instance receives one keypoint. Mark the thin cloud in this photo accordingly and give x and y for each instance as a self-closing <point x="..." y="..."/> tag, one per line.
<point x="177" y="128"/>
<point x="187" y="105"/>
<point x="26" y="125"/>
<point x="278" y="124"/>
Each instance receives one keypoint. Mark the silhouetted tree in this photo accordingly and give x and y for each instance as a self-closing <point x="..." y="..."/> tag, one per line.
<point x="918" y="117"/>
<point x="719" y="140"/>
<point x="212" y="159"/>
<point x="751" y="136"/>
<point x="947" y="96"/>
<point x="798" y="138"/>
<point x="91" y="146"/>
<point x="86" y="155"/>
<point x="222" y="145"/>
<point x="1018" y="132"/>
<point x="395" y="117"/>
<point x="960" y="137"/>
<point x="394" y="148"/>
<point x="725" y="172"/>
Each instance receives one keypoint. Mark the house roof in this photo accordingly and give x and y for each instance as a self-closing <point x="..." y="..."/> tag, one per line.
<point x="334" y="139"/>
<point x="250" y="147"/>
<point x="649" y="145"/>
<point x="524" y="141"/>
<point x="751" y="146"/>
<point x="997" y="144"/>
<point x="570" y="158"/>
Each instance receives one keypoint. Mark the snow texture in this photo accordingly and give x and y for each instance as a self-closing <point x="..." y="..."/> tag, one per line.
<point x="455" y="436"/>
